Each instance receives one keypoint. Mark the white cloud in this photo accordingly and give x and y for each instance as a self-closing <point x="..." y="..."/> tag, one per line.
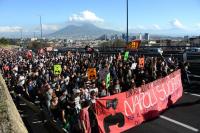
<point x="156" y="27"/>
<point x="85" y="16"/>
<point x="141" y="27"/>
<point x="198" y="26"/>
<point x="138" y="27"/>
<point x="147" y="27"/>
<point x="177" y="24"/>
<point x="50" y="27"/>
<point x="10" y="28"/>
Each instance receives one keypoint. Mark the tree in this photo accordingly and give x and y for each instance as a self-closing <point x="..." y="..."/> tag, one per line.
<point x="4" y="41"/>
<point x="105" y="44"/>
<point x="115" y="43"/>
<point x="119" y="43"/>
<point x="37" y="45"/>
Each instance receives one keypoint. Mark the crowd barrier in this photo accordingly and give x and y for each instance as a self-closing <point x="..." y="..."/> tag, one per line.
<point x="126" y="110"/>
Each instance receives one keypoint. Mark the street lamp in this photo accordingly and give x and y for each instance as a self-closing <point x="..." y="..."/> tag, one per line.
<point x="126" y="22"/>
<point x="40" y="26"/>
<point x="21" y="39"/>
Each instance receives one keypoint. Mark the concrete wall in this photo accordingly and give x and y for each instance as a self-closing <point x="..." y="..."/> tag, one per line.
<point x="10" y="120"/>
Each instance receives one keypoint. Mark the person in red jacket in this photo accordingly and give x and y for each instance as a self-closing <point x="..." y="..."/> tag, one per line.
<point x="85" y="118"/>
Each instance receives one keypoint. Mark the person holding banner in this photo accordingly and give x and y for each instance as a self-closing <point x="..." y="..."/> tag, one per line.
<point x="103" y="91"/>
<point x="132" y="85"/>
<point x="117" y="87"/>
<point x="84" y="117"/>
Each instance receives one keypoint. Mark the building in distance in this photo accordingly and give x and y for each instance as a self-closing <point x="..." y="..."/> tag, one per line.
<point x="146" y="37"/>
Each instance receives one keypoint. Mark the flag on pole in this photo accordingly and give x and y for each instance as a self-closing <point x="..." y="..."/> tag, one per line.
<point x="135" y="44"/>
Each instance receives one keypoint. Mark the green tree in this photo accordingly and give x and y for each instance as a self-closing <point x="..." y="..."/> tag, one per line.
<point x="105" y="44"/>
<point x="37" y="45"/>
<point x="115" y="43"/>
<point x="119" y="43"/>
<point x="4" y="41"/>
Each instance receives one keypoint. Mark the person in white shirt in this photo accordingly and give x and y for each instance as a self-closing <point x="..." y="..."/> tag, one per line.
<point x="93" y="88"/>
<point x="77" y="100"/>
<point x="21" y="80"/>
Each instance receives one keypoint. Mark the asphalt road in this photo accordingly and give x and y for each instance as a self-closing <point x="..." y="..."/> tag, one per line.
<point x="31" y="119"/>
<point x="182" y="117"/>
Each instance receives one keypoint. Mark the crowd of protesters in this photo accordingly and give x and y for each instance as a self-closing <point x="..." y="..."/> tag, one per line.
<point x="70" y="97"/>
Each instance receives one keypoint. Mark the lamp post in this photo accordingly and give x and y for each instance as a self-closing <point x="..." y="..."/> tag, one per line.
<point x="126" y="22"/>
<point x="21" y="33"/>
<point x="41" y="27"/>
<point x="21" y="38"/>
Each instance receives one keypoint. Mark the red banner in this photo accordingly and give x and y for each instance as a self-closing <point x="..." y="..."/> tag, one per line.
<point x="29" y="54"/>
<point x="125" y="110"/>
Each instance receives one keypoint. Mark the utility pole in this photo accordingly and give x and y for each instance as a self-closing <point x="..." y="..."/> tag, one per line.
<point x="21" y="37"/>
<point x="126" y="22"/>
<point x="41" y="27"/>
<point x="21" y="33"/>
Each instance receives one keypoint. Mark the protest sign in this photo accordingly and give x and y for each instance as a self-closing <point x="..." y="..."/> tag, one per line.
<point x="92" y="74"/>
<point x="133" y="66"/>
<point x="126" y="56"/>
<point x="107" y="80"/>
<point x="57" y="69"/>
<point x="141" y="62"/>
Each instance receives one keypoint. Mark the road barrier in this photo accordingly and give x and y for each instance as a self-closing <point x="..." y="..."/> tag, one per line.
<point x="10" y="120"/>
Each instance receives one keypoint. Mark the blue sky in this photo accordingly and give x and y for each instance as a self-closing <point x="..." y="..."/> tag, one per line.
<point x="176" y="17"/>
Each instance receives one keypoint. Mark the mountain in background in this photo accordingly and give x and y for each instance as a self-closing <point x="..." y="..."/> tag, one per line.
<point x="82" y="31"/>
<point x="78" y="31"/>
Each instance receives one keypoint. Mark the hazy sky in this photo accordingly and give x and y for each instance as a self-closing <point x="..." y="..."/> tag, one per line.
<point x="154" y="16"/>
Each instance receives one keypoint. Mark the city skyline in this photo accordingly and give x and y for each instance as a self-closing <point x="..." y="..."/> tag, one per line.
<point x="172" y="17"/>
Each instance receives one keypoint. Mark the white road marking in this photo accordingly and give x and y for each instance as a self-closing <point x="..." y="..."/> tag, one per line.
<point x="22" y="104"/>
<point x="179" y="123"/>
<point x="193" y="75"/>
<point x="193" y="94"/>
<point x="197" y="95"/>
<point x="35" y="122"/>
